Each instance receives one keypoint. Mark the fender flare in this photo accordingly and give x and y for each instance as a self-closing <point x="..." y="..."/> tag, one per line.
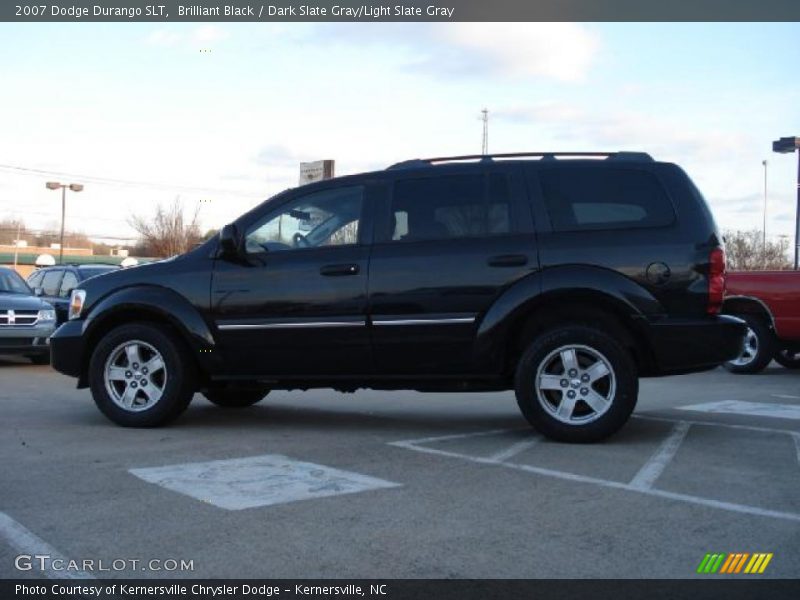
<point x="165" y="304"/>
<point x="556" y="285"/>
<point x="754" y="300"/>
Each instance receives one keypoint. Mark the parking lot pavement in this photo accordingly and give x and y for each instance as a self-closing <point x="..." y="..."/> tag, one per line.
<point x="403" y="484"/>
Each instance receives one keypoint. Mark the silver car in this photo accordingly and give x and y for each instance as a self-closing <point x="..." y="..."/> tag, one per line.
<point x="26" y="322"/>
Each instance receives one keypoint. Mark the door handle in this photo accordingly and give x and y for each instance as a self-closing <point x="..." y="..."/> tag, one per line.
<point x="508" y="260"/>
<point x="339" y="270"/>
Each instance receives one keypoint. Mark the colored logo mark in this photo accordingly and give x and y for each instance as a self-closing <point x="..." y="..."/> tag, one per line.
<point x="736" y="562"/>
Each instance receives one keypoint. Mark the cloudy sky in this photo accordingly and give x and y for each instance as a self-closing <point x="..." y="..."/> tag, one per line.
<point x="220" y="115"/>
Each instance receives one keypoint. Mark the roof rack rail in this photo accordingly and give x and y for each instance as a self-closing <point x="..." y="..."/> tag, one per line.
<point x="430" y="162"/>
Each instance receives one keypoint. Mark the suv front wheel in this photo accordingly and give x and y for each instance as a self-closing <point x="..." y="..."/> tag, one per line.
<point x="576" y="384"/>
<point x="141" y="375"/>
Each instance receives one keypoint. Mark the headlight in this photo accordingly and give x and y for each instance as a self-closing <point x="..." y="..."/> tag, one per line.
<point x="47" y="314"/>
<point x="76" y="304"/>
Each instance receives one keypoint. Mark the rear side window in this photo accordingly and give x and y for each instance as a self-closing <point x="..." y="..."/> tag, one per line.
<point x="69" y="283"/>
<point x="580" y="198"/>
<point x="51" y="281"/>
<point x="452" y="206"/>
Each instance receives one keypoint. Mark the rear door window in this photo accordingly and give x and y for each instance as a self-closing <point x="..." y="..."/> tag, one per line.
<point x="579" y="198"/>
<point x="451" y="206"/>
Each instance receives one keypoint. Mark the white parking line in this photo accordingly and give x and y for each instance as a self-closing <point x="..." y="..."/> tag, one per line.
<point x="796" y="437"/>
<point x="641" y="483"/>
<point x="254" y="481"/>
<point x="750" y="409"/>
<point x="713" y="424"/>
<point x="514" y="449"/>
<point x="647" y="475"/>
<point x="25" y="541"/>
<point x="457" y="436"/>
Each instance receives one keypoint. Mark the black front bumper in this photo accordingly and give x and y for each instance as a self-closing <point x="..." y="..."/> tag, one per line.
<point x="684" y="345"/>
<point x="67" y="346"/>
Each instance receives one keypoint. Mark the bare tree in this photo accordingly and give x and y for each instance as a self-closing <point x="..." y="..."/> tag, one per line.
<point x="745" y="251"/>
<point x="9" y="229"/>
<point x="169" y="231"/>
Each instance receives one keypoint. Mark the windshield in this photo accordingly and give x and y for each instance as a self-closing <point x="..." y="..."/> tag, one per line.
<point x="11" y="282"/>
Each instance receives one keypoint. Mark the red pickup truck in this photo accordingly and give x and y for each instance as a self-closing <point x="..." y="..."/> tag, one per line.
<point x="770" y="303"/>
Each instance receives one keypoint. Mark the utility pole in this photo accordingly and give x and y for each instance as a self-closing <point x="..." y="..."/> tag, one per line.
<point x="485" y="141"/>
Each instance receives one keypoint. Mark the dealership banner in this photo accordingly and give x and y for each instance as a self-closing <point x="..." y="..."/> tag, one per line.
<point x="400" y="10"/>
<point x="393" y="589"/>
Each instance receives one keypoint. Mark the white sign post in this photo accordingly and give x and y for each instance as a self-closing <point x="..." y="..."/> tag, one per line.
<point x="315" y="171"/>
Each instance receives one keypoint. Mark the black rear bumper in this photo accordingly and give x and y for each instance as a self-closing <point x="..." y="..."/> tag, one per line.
<point x="67" y="348"/>
<point x="685" y="345"/>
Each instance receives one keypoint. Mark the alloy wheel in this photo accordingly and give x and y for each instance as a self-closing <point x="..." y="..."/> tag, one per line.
<point x="135" y="375"/>
<point x="575" y="384"/>
<point x="749" y="349"/>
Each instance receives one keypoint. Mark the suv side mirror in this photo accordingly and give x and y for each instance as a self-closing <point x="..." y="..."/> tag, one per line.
<point x="229" y="241"/>
<point x="37" y="291"/>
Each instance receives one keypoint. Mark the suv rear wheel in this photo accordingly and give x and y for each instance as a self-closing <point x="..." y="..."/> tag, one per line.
<point x="758" y="347"/>
<point x="576" y="384"/>
<point x="141" y="375"/>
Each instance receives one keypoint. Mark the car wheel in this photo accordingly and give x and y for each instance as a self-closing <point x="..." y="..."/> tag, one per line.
<point x="788" y="358"/>
<point x="40" y="359"/>
<point x="235" y="398"/>
<point x="758" y="347"/>
<point x="576" y="384"/>
<point x="141" y="375"/>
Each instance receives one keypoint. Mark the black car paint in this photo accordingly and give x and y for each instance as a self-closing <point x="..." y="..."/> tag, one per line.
<point x="494" y="281"/>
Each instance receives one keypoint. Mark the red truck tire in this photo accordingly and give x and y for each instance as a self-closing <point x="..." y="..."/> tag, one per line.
<point x="758" y="349"/>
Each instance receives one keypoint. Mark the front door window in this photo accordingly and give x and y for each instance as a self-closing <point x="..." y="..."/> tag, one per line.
<point x="325" y="218"/>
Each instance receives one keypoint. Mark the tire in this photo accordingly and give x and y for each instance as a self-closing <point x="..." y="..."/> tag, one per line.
<point x="605" y="376"/>
<point x="40" y="359"/>
<point x="758" y="347"/>
<point x="141" y="375"/>
<point x="235" y="398"/>
<point x="788" y="358"/>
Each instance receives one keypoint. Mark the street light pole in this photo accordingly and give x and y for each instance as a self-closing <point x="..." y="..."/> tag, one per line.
<point x="63" y="213"/>
<point x="16" y="244"/>
<point x="764" y="230"/>
<point x="797" y="217"/>
<point x="75" y="187"/>
<point x="787" y="145"/>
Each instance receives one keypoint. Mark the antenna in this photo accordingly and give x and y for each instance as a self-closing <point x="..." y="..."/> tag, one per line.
<point x="485" y="140"/>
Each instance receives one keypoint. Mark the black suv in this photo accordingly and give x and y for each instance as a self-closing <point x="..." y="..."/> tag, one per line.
<point x="55" y="284"/>
<point x="564" y="277"/>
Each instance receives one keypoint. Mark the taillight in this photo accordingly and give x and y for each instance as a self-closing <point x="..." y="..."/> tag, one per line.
<point x="716" y="280"/>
